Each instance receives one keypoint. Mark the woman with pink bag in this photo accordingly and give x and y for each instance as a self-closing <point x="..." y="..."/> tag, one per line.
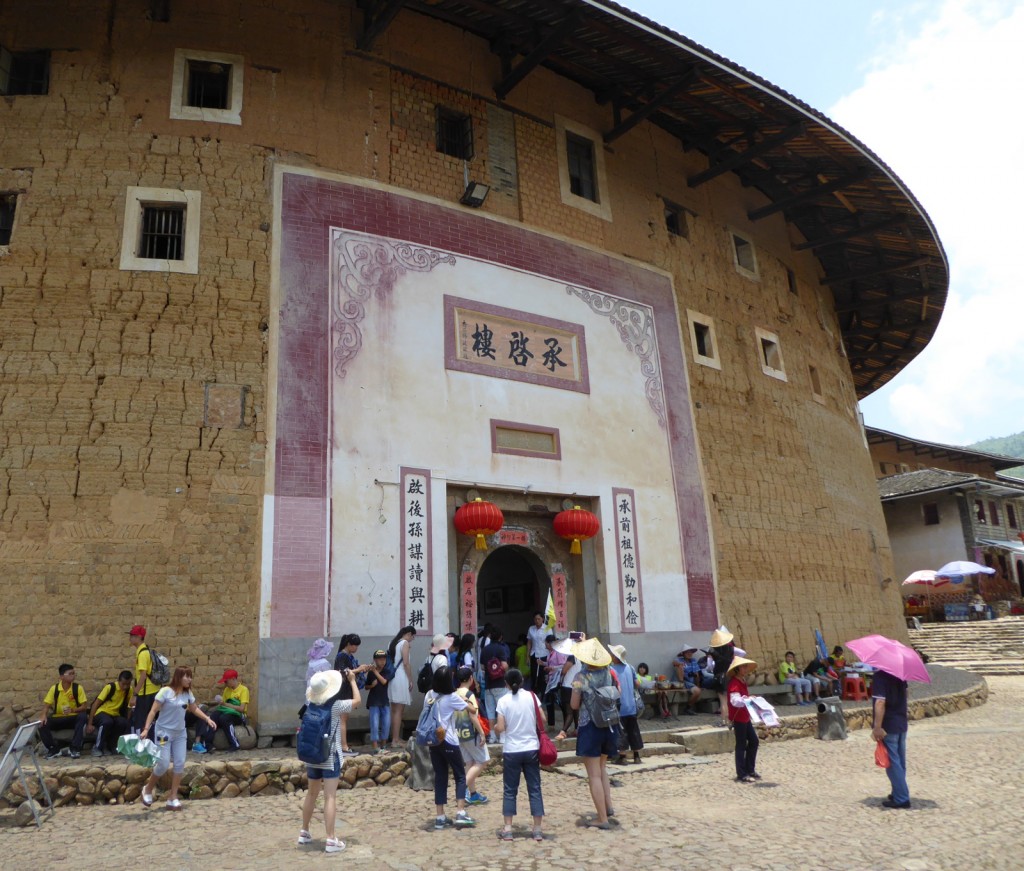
<point x="519" y="718"/>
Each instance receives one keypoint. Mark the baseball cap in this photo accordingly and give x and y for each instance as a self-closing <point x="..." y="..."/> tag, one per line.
<point x="377" y="653"/>
<point x="138" y="630"/>
<point x="229" y="674"/>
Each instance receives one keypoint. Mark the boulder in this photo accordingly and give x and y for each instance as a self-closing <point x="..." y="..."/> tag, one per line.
<point x="86" y="786"/>
<point x="264" y="741"/>
<point x="25" y="814"/>
<point x="137" y="774"/>
<point x="85" y="799"/>
<point x="239" y="770"/>
<point x="263" y="767"/>
<point x="221" y="785"/>
<point x="114" y="785"/>
<point x="231" y="790"/>
<point x="132" y="791"/>
<point x="259" y="782"/>
<point x="384" y="777"/>
<point x="202" y="792"/>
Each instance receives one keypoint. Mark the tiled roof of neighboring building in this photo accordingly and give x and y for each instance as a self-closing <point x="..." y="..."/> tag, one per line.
<point x="921" y="481"/>
<point x="939" y="452"/>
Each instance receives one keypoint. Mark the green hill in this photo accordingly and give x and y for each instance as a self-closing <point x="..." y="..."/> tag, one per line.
<point x="1008" y="446"/>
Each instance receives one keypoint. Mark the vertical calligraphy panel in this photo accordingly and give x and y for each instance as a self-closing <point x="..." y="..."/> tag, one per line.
<point x="631" y="597"/>
<point x="468" y="599"/>
<point x="559" y="598"/>
<point x="417" y="576"/>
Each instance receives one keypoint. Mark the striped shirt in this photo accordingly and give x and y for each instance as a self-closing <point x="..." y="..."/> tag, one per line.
<point x="342" y="706"/>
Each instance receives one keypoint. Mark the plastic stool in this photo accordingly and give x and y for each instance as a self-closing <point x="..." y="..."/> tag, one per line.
<point x="854" y="688"/>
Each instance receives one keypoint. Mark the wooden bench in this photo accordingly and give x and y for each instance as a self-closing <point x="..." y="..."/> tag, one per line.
<point x="777" y="694"/>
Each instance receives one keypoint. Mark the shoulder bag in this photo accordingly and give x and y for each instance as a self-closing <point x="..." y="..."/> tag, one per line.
<point x="548" y="752"/>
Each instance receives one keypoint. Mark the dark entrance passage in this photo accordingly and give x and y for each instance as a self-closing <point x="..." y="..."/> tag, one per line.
<point x="511" y="586"/>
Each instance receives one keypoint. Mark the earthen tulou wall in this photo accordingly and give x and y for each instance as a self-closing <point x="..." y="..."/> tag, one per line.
<point x="134" y="404"/>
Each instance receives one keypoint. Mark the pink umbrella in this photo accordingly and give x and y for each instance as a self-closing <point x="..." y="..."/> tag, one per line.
<point x="890" y="656"/>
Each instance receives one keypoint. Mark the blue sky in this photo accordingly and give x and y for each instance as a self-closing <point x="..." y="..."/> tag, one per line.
<point x="932" y="87"/>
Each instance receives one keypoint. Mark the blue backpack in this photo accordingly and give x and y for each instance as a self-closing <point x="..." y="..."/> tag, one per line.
<point x="429" y="731"/>
<point x="314" y="741"/>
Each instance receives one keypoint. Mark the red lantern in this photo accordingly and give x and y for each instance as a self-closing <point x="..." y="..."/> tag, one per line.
<point x="577" y="524"/>
<point x="479" y="518"/>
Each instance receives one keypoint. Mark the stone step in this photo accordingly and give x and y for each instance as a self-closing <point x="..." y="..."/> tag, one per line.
<point x="651" y="748"/>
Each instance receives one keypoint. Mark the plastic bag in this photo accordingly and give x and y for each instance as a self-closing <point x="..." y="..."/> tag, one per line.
<point x="140" y="751"/>
<point x="881" y="755"/>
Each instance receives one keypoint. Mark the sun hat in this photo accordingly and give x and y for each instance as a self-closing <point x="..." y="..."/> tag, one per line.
<point x="591" y="652"/>
<point x="322" y="686"/>
<point x="564" y="646"/>
<point x="138" y="631"/>
<point x="229" y="674"/>
<point x="320" y="649"/>
<point x="720" y="636"/>
<point x="689" y="648"/>
<point x="738" y="661"/>
<point x="618" y="651"/>
<point x="440" y="643"/>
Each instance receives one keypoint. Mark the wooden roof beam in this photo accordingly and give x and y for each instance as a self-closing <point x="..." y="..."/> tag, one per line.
<point x="854" y="233"/>
<point x="880" y="270"/>
<point x="378" y="19"/>
<point x="909" y="296"/>
<point x="809" y="194"/>
<point x="650" y="107"/>
<point x="741" y="157"/>
<point x="540" y="52"/>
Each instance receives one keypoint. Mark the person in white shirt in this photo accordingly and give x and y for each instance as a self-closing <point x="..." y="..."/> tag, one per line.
<point x="536" y="636"/>
<point x="519" y="717"/>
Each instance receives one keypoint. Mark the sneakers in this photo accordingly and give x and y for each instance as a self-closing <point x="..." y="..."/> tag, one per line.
<point x="348" y="752"/>
<point x="441" y="823"/>
<point x="464" y="820"/>
<point x="304" y="837"/>
<point x="147" y="798"/>
<point x="476" y="798"/>
<point x="174" y="804"/>
<point x="54" y="753"/>
<point x="96" y="751"/>
<point x="889" y="803"/>
<point x="333" y="845"/>
<point x="199" y="747"/>
<point x="74" y="754"/>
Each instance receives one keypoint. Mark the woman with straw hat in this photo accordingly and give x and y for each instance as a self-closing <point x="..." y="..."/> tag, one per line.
<point x="323" y="686"/>
<point x="628" y="714"/>
<point x="722" y="649"/>
<point x="739" y="716"/>
<point x="594" y="743"/>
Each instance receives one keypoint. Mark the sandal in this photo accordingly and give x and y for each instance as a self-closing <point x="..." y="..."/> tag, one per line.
<point x="538" y="835"/>
<point x="147" y="798"/>
<point x="506" y="835"/>
<point x="594" y="824"/>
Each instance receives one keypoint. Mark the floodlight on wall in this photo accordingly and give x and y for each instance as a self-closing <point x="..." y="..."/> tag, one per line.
<point x="475" y="194"/>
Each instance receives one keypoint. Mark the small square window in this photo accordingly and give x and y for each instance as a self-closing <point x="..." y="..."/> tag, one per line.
<point x="582" y="178"/>
<point x="207" y="86"/>
<point x="8" y="205"/>
<point x="930" y="511"/>
<point x="1011" y="516"/>
<point x="744" y="255"/>
<point x="703" y="342"/>
<point x="24" y="73"/>
<point x="675" y="220"/>
<point x="812" y="371"/>
<point x="770" y="354"/>
<point x="161" y="230"/>
<point x="993" y="513"/>
<point x="454" y="134"/>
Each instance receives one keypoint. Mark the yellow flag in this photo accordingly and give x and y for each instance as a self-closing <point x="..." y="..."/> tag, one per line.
<point x="550" y="618"/>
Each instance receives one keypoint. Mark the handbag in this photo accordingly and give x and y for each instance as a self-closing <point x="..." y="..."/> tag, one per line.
<point x="881" y="755"/>
<point x="548" y="753"/>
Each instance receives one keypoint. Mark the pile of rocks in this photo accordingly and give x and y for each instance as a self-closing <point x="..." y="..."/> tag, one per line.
<point x="121" y="783"/>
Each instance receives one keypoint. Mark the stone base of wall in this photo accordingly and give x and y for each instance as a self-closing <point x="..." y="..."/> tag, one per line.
<point x="121" y="783"/>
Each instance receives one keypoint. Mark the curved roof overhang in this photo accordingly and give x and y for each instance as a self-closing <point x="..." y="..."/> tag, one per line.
<point x="879" y="253"/>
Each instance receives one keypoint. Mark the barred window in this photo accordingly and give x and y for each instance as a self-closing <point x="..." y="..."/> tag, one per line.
<point x="24" y="72"/>
<point x="454" y="133"/>
<point x="580" y="155"/>
<point x="209" y="84"/>
<point x="163" y="232"/>
<point x="8" y="204"/>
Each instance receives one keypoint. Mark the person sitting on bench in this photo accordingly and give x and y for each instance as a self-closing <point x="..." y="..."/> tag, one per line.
<point x="230" y="712"/>
<point x="67" y="703"/>
<point x="109" y="715"/>
<point x="688" y="674"/>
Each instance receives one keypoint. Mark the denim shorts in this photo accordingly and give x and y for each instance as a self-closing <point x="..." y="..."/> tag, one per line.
<point x="325" y="773"/>
<point x="592" y="741"/>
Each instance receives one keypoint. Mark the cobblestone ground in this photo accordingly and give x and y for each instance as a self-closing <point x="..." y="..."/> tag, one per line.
<point x="818" y="807"/>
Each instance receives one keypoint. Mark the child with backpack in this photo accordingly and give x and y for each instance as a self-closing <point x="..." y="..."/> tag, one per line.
<point x="595" y="695"/>
<point x="319" y="746"/>
<point x="377" y="704"/>
<point x="440" y="706"/>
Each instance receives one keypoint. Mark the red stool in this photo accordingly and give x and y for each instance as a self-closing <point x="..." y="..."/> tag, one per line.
<point x="854" y="688"/>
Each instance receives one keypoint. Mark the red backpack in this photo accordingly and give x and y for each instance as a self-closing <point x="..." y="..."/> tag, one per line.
<point x="495" y="669"/>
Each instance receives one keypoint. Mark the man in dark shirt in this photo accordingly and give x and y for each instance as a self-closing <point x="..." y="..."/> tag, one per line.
<point x="494" y="658"/>
<point x="889" y="725"/>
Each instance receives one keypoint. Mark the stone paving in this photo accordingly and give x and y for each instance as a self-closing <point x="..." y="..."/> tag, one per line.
<point x="818" y="807"/>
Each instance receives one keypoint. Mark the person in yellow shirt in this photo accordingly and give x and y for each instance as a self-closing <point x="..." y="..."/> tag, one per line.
<point x="64" y="707"/>
<point x="145" y="689"/>
<point x="230" y="712"/>
<point x="789" y="673"/>
<point x="109" y="715"/>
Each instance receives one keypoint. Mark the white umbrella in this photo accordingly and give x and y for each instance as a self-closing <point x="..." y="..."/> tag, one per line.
<point x="924" y="576"/>
<point x="963" y="567"/>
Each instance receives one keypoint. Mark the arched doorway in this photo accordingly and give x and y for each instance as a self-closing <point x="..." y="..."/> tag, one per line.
<point x="512" y="584"/>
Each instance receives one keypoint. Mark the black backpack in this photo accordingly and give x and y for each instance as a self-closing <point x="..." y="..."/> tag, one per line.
<point x="56" y="696"/>
<point x="425" y="679"/>
<point x="111" y="689"/>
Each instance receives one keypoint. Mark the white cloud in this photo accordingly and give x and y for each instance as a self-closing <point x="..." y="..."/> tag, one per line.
<point x="941" y="108"/>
